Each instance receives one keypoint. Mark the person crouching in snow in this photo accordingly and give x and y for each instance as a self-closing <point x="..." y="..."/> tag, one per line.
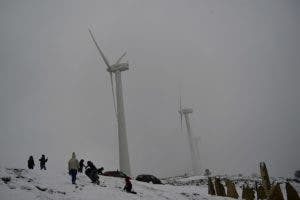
<point x="73" y="167"/>
<point x="91" y="172"/>
<point x="128" y="186"/>
<point x="81" y="165"/>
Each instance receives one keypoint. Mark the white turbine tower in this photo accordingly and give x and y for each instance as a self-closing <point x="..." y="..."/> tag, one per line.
<point x="197" y="152"/>
<point x="185" y="112"/>
<point x="116" y="69"/>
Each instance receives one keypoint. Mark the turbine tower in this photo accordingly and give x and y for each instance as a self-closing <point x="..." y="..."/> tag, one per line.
<point x="185" y="112"/>
<point x="116" y="69"/>
<point x="197" y="152"/>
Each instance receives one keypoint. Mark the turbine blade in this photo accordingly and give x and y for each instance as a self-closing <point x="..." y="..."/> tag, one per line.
<point x="101" y="53"/>
<point x="119" y="60"/>
<point x="113" y="91"/>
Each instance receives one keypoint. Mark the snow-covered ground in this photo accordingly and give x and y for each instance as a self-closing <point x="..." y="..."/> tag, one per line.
<point x="50" y="185"/>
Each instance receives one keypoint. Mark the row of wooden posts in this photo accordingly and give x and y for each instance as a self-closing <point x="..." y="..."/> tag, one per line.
<point x="264" y="190"/>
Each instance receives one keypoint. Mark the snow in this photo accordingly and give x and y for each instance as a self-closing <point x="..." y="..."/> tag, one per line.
<point x="24" y="183"/>
<point x="52" y="185"/>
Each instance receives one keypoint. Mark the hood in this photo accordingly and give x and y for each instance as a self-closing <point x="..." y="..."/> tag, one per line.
<point x="73" y="155"/>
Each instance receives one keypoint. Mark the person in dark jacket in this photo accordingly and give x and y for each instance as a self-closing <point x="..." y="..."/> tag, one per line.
<point x="128" y="186"/>
<point x="30" y="162"/>
<point x="91" y="172"/>
<point x="81" y="165"/>
<point x="43" y="161"/>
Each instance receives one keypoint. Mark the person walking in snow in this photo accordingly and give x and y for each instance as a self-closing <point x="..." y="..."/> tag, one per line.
<point x="30" y="162"/>
<point x="81" y="165"/>
<point x="73" y="167"/>
<point x="43" y="161"/>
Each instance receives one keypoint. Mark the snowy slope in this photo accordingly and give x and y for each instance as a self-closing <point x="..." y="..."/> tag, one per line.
<point x="50" y="185"/>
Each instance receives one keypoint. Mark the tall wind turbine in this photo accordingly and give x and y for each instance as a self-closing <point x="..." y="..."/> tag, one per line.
<point x="116" y="69"/>
<point x="185" y="112"/>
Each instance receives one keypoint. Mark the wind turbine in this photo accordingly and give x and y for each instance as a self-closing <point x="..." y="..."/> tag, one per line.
<point x="116" y="69"/>
<point x="185" y="112"/>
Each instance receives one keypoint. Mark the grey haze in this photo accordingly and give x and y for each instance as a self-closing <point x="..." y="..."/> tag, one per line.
<point x="237" y="63"/>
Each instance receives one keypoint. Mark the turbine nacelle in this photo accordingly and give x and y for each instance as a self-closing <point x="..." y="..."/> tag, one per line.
<point x="118" y="67"/>
<point x="185" y="111"/>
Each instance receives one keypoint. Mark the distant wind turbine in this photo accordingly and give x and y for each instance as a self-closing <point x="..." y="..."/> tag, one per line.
<point x="185" y="112"/>
<point x="116" y="69"/>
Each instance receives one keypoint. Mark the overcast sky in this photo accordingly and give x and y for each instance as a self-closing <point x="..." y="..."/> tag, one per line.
<point x="237" y="63"/>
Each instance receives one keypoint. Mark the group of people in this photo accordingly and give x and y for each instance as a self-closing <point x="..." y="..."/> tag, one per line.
<point x="91" y="171"/>
<point x="42" y="160"/>
<point x="75" y="166"/>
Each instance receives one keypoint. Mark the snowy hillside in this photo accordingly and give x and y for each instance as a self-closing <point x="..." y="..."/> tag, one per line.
<point x="23" y="184"/>
<point x="237" y="179"/>
<point x="50" y="185"/>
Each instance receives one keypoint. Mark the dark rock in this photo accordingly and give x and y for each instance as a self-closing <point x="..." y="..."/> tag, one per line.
<point x="211" y="189"/>
<point x="220" y="190"/>
<point x="41" y="188"/>
<point x="231" y="190"/>
<point x="261" y="192"/>
<point x="6" y="179"/>
<point x="185" y="194"/>
<point x="276" y="193"/>
<point x="50" y="191"/>
<point x="11" y="186"/>
<point x="24" y="187"/>
<point x="291" y="193"/>
<point x="297" y="174"/>
<point x="60" y="192"/>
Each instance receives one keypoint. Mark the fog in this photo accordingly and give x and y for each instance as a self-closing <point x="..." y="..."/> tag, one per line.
<point x="236" y="63"/>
